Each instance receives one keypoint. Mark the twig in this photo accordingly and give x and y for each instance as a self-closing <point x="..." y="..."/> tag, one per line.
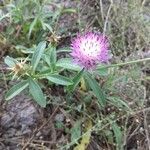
<point x="146" y="129"/>
<point x="18" y="140"/>
<point x="134" y="132"/>
<point x="106" y="125"/>
<point x="36" y="131"/>
<point x="18" y="28"/>
<point x="143" y="3"/>
<point x="4" y="77"/>
<point x="101" y="9"/>
<point x="125" y="63"/>
<point x="107" y="16"/>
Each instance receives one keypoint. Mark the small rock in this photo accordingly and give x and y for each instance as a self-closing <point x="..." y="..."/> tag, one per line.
<point x="6" y="120"/>
<point x="59" y="117"/>
<point x="21" y="113"/>
<point x="38" y="134"/>
<point x="22" y="110"/>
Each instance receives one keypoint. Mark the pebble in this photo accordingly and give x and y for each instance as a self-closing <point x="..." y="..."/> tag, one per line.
<point x="59" y="117"/>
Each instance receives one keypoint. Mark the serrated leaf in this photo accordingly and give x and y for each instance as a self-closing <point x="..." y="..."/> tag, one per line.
<point x="16" y="89"/>
<point x="67" y="63"/>
<point x="58" y="79"/>
<point x="37" y="54"/>
<point x="37" y="93"/>
<point x="96" y="89"/>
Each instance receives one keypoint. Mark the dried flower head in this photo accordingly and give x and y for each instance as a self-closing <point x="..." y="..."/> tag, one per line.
<point x="89" y="49"/>
<point x="19" y="68"/>
<point x="54" y="38"/>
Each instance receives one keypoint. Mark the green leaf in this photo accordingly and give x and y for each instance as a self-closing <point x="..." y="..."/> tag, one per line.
<point x="45" y="25"/>
<point x="46" y="59"/>
<point x="84" y="142"/>
<point x="102" y="71"/>
<point x="53" y="57"/>
<point x="32" y="26"/>
<point x="76" y="80"/>
<point x="96" y="89"/>
<point x="50" y="57"/>
<point x="58" y="79"/>
<point x="16" y="89"/>
<point x="5" y="16"/>
<point x="25" y="50"/>
<point x="118" y="135"/>
<point x="37" y="93"/>
<point x="116" y="101"/>
<point x="69" y="10"/>
<point x="11" y="62"/>
<point x="37" y="54"/>
<point x="76" y="131"/>
<point x="64" y="50"/>
<point x="68" y="64"/>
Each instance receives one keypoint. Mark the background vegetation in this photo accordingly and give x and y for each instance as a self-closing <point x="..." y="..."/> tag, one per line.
<point x="106" y="110"/>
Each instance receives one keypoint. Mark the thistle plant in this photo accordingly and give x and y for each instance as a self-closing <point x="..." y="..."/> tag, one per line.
<point x="99" y="95"/>
<point x="89" y="49"/>
<point x="89" y="55"/>
<point x="39" y="65"/>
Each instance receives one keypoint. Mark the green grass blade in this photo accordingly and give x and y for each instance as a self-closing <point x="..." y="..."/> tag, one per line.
<point x="118" y="135"/>
<point x="32" y="27"/>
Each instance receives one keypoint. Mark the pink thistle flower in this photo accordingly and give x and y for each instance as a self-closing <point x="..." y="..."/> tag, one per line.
<point x="90" y="49"/>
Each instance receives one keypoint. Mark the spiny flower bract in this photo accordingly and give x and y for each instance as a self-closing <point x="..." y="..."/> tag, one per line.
<point x="89" y="49"/>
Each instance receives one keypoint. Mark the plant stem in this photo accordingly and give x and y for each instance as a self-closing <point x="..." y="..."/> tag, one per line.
<point x="125" y="63"/>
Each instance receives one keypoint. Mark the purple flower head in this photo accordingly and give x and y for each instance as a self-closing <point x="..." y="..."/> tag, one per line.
<point x="89" y="49"/>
